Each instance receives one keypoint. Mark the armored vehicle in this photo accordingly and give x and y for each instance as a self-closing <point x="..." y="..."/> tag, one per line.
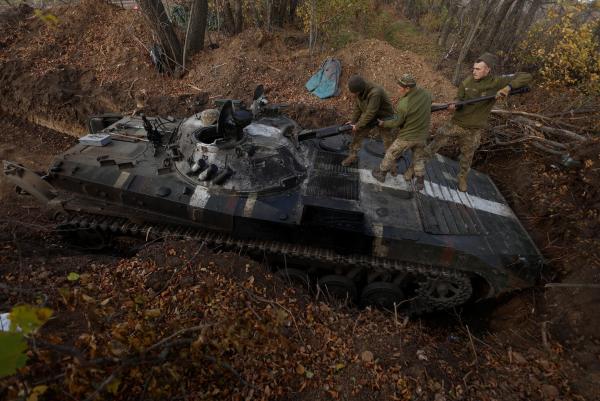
<point x="255" y="181"/>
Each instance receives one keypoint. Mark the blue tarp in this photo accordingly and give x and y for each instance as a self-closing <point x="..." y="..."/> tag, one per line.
<point x="326" y="82"/>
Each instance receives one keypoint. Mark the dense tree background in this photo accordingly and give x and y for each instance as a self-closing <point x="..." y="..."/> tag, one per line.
<point x="558" y="38"/>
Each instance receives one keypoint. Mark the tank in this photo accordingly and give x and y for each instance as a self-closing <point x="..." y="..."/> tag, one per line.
<point x="256" y="182"/>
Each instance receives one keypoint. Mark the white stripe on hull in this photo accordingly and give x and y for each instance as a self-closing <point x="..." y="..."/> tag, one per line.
<point x="440" y="192"/>
<point x="200" y="197"/>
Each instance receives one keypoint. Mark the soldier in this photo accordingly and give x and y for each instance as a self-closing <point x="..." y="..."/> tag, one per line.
<point x="413" y="117"/>
<point x="469" y="122"/>
<point x="372" y="103"/>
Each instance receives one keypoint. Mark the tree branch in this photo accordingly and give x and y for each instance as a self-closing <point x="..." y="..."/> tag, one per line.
<point x="571" y="134"/>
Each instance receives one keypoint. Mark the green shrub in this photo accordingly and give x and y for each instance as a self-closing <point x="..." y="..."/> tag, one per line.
<point x="564" y="49"/>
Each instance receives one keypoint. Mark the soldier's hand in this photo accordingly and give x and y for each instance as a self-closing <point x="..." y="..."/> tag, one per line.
<point x="502" y="93"/>
<point x="347" y="122"/>
<point x="451" y="106"/>
<point x="354" y="129"/>
<point x="380" y="122"/>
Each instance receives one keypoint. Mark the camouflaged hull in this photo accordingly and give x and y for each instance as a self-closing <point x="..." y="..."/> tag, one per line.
<point x="265" y="192"/>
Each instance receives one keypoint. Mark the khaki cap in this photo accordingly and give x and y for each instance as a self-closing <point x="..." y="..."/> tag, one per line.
<point x="490" y="59"/>
<point x="407" y="81"/>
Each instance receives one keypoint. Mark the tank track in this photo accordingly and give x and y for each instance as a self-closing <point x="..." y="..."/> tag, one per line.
<point x="421" y="303"/>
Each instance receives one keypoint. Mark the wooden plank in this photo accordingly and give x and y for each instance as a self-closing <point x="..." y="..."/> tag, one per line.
<point x="433" y="212"/>
<point x="429" y="222"/>
<point x="465" y="208"/>
<point x="455" y="220"/>
<point x="443" y="215"/>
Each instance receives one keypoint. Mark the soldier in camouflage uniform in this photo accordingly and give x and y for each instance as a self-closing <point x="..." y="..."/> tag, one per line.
<point x="412" y="119"/>
<point x="372" y="103"/>
<point x="469" y="122"/>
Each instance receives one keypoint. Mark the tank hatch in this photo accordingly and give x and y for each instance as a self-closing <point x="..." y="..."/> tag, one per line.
<point x="241" y="156"/>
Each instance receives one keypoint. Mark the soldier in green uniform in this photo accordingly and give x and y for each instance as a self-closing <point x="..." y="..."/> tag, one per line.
<point x="372" y="103"/>
<point x="469" y="122"/>
<point x="413" y="120"/>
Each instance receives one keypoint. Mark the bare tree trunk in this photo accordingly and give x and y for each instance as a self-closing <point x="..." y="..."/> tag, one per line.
<point x="529" y="17"/>
<point x="522" y="23"/>
<point x="500" y="17"/>
<point x="197" y="27"/>
<point x="254" y="12"/>
<point x="413" y="10"/>
<point x="507" y="35"/>
<point x="239" y="16"/>
<point x="481" y="13"/>
<point x="312" y="39"/>
<point x="283" y="7"/>
<point x="452" y="10"/>
<point x="228" y="20"/>
<point x="278" y="12"/>
<point x="269" y="13"/>
<point x="293" y="7"/>
<point x="463" y="19"/>
<point x="159" y="21"/>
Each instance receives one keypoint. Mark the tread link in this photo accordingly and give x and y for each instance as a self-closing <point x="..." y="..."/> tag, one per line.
<point x="427" y="274"/>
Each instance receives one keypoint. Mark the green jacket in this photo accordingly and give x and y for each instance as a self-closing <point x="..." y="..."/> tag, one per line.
<point x="413" y="115"/>
<point x="371" y="104"/>
<point x="476" y="115"/>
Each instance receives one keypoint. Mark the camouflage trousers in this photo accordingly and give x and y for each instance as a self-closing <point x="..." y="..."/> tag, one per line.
<point x="387" y="135"/>
<point x="398" y="147"/>
<point x="468" y="141"/>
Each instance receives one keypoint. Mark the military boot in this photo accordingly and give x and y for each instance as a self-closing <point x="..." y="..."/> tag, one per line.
<point x="408" y="174"/>
<point x="378" y="174"/>
<point x="352" y="157"/>
<point x="420" y="184"/>
<point x="462" y="183"/>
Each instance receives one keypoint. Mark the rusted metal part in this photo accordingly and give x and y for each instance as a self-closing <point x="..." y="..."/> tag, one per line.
<point x="29" y="181"/>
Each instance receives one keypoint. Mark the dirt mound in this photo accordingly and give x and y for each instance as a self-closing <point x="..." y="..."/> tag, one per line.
<point x="105" y="49"/>
<point x="382" y="63"/>
<point x="64" y="96"/>
<point x="256" y="57"/>
<point x="43" y="74"/>
<point x="10" y="20"/>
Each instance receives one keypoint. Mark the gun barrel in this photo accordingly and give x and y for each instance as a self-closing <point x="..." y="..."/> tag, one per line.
<point x="439" y="106"/>
<point x="444" y="106"/>
<point x="323" y="132"/>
